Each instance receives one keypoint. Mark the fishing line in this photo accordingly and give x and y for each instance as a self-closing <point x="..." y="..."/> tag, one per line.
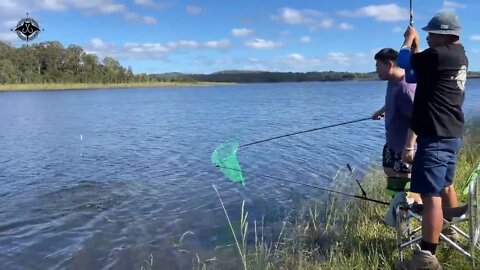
<point x="310" y="185"/>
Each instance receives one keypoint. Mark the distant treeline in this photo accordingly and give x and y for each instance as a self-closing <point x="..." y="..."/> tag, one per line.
<point x="270" y="77"/>
<point x="51" y="62"/>
<point x="473" y="74"/>
<point x="264" y="76"/>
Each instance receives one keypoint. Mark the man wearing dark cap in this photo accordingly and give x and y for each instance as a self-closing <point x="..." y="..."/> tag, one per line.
<point x="438" y="122"/>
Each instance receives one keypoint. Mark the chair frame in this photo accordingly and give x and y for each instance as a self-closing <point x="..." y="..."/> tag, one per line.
<point x="407" y="234"/>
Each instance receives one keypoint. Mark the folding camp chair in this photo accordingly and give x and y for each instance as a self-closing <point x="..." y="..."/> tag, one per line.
<point x="409" y="231"/>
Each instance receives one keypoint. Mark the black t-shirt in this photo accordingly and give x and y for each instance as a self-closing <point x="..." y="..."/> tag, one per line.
<point x="441" y="75"/>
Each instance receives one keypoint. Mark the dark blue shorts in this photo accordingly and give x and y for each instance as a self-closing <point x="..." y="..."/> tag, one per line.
<point x="434" y="164"/>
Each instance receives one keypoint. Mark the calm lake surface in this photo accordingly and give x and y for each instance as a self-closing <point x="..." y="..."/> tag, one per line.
<point x="102" y="179"/>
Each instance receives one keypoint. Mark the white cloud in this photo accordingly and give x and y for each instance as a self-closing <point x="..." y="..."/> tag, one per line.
<point x="8" y="36"/>
<point x="305" y="39"/>
<point x="339" y="57"/>
<point x="99" y="44"/>
<point x="291" y="62"/>
<point x="450" y="5"/>
<point x="293" y="16"/>
<point x="111" y="8"/>
<point x="297" y="62"/>
<point x="153" y="4"/>
<point x="397" y="29"/>
<point x="9" y="24"/>
<point x="132" y="16"/>
<point x="10" y="12"/>
<point x="313" y="19"/>
<point x="217" y="44"/>
<point x="137" y="51"/>
<point x="89" y="7"/>
<point x="52" y="5"/>
<point x="131" y="44"/>
<point x="146" y="3"/>
<point x="352" y="60"/>
<point x="259" y="43"/>
<point x="12" y="9"/>
<point x="296" y="57"/>
<point x="475" y="37"/>
<point x="150" y="50"/>
<point x="193" y="9"/>
<point x="326" y="23"/>
<point x="97" y="6"/>
<point x="294" y="62"/>
<point x="346" y="26"/>
<point x="225" y="62"/>
<point x="154" y="47"/>
<point x="184" y="44"/>
<point x="385" y="13"/>
<point x="149" y="20"/>
<point x="241" y="32"/>
<point x="9" y="4"/>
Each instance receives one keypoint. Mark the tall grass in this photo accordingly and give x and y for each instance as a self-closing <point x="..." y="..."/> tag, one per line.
<point x="77" y="86"/>
<point x="341" y="234"/>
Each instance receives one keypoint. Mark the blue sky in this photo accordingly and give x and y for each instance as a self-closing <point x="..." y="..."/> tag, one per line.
<point x="157" y="36"/>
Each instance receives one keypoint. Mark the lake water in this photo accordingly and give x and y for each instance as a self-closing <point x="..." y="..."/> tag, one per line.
<point x="101" y="179"/>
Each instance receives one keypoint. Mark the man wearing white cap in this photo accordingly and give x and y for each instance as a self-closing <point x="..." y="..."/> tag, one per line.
<point x="438" y="122"/>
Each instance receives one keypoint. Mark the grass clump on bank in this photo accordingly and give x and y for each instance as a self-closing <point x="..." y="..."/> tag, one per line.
<point x="344" y="234"/>
<point x="78" y="86"/>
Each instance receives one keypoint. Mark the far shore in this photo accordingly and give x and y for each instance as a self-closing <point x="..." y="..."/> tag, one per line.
<point x="89" y="86"/>
<point x="92" y="86"/>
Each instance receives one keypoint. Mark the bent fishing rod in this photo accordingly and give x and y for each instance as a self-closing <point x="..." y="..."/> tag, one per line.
<point x="364" y="197"/>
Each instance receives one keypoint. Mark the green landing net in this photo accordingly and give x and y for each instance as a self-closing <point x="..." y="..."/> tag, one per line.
<point x="225" y="157"/>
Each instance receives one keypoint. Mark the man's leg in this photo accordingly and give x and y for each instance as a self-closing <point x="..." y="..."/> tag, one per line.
<point x="428" y="179"/>
<point x="449" y="197"/>
<point x="432" y="222"/>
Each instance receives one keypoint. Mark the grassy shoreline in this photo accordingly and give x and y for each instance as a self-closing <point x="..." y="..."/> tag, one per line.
<point x="340" y="234"/>
<point x="90" y="86"/>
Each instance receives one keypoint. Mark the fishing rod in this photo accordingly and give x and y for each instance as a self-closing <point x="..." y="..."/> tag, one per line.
<point x="225" y="156"/>
<point x="312" y="186"/>
<point x="411" y="20"/>
<point x="305" y="131"/>
<point x="411" y="14"/>
<point x="358" y="182"/>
